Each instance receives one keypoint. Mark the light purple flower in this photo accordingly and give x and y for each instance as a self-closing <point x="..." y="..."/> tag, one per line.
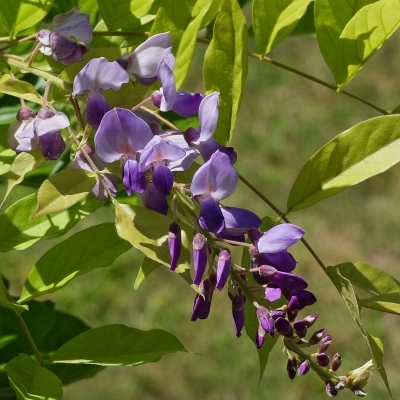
<point x="175" y="244"/>
<point x="143" y="62"/>
<point x="121" y="136"/>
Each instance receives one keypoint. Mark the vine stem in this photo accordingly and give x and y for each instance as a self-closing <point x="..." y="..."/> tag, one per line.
<point x="282" y="216"/>
<point x="18" y="41"/>
<point x="160" y="118"/>
<point x="27" y="332"/>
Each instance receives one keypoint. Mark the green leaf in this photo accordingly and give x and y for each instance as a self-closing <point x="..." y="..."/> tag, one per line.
<point x="123" y="14"/>
<point x="39" y="320"/>
<point x="147" y="230"/>
<point x="377" y="351"/>
<point x="45" y="63"/>
<point x="330" y="19"/>
<point x="17" y="15"/>
<point x="22" y="90"/>
<point x="306" y="25"/>
<point x="363" y="36"/>
<point x="92" y="248"/>
<point x="32" y="381"/>
<point x="6" y="154"/>
<point x="117" y="345"/>
<point x="364" y="150"/>
<point x="63" y="190"/>
<point x="389" y="303"/>
<point x="5" y="302"/>
<point x="225" y="66"/>
<point x="274" y="20"/>
<point x="173" y="16"/>
<point x="18" y="231"/>
<point x="187" y="43"/>
<point x="369" y="278"/>
<point x="148" y="266"/>
<point x="251" y="325"/>
<point x="346" y="290"/>
<point x="22" y="164"/>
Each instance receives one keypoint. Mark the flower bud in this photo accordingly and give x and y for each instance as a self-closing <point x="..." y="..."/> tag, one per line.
<point x="291" y="367"/>
<point x="283" y="327"/>
<point x="359" y="377"/>
<point x="300" y="328"/>
<point x="265" y="320"/>
<point x="260" y="337"/>
<point x="358" y="392"/>
<point x="202" y="304"/>
<point x="223" y="268"/>
<point x="309" y="321"/>
<point x="324" y="344"/>
<point x="278" y="314"/>
<point x="175" y="244"/>
<point x="340" y="385"/>
<point x="323" y="359"/>
<point x="293" y="308"/>
<point x="199" y="257"/>
<point x="25" y="113"/>
<point x="331" y="390"/>
<point x="317" y="336"/>
<point x="238" y="314"/>
<point x="336" y="362"/>
<point x="304" y="367"/>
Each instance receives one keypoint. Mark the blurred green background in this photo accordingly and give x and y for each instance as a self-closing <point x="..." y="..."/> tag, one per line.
<point x="283" y="120"/>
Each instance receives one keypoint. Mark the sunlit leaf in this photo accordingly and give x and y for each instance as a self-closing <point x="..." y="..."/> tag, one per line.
<point x="147" y="230"/>
<point x="389" y="303"/>
<point x="363" y="36"/>
<point x="364" y="150"/>
<point x="117" y="345"/>
<point x="306" y="24"/>
<point x="274" y="20"/>
<point x="6" y="154"/>
<point x="22" y="164"/>
<point x="148" y="266"/>
<point x="369" y="278"/>
<point x="17" y="15"/>
<point x="32" y="381"/>
<point x="92" y="248"/>
<point x="225" y="66"/>
<point x="123" y="14"/>
<point x="5" y="302"/>
<point x="330" y="19"/>
<point x="21" y="89"/>
<point x="63" y="190"/>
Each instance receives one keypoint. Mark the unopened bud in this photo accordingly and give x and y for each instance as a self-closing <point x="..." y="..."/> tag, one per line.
<point x="25" y="113"/>
<point x="260" y="336"/>
<point x="340" y="385"/>
<point x="300" y="328"/>
<point x="278" y="314"/>
<point x="293" y="308"/>
<point x="324" y="344"/>
<point x="359" y="392"/>
<point x="331" y="390"/>
<point x="291" y="367"/>
<point x="223" y="268"/>
<point x="304" y="367"/>
<point x="265" y="320"/>
<point x="336" y="362"/>
<point x="238" y="314"/>
<point x="323" y="359"/>
<point x="283" y="327"/>
<point x="317" y="336"/>
<point x="175" y="244"/>
<point x="309" y="321"/>
<point x="199" y="257"/>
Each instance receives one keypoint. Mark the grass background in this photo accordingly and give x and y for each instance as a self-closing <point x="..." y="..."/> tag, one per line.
<point x="283" y="120"/>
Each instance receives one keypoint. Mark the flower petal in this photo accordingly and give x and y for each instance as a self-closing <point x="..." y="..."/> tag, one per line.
<point x="166" y="77"/>
<point x="58" y="121"/>
<point x="132" y="178"/>
<point x="279" y="238"/>
<point x="155" y="200"/>
<point x="162" y="178"/>
<point x="208" y="147"/>
<point x="211" y="218"/>
<point x="208" y="116"/>
<point x="96" y="107"/>
<point x="187" y="104"/>
<point x="239" y="219"/>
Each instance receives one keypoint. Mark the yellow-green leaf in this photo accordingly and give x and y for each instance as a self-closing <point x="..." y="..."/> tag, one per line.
<point x="21" y="89"/>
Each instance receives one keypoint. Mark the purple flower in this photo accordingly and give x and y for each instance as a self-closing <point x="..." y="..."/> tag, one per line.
<point x="24" y="121"/>
<point x="291" y="367"/>
<point x="202" y="304"/>
<point x="304" y="367"/>
<point x="152" y="198"/>
<point x="223" y="268"/>
<point x="143" y="62"/>
<point x="200" y="254"/>
<point x="58" y="40"/>
<point x="156" y="156"/>
<point x="43" y="132"/>
<point x="283" y="327"/>
<point x="175" y="244"/>
<point x="238" y="313"/>
<point x="265" y="320"/>
<point x="121" y="136"/>
<point x="98" y="190"/>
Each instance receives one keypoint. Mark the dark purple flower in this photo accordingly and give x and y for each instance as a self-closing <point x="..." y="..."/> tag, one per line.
<point x="121" y="136"/>
<point x="200" y="254"/>
<point x="202" y="304"/>
<point x="283" y="327"/>
<point x="300" y="328"/>
<point x="96" y="108"/>
<point x="324" y="344"/>
<point x="238" y="314"/>
<point x="331" y="391"/>
<point x="293" y="308"/>
<point x="223" y="268"/>
<point x="175" y="244"/>
<point x="291" y="367"/>
<point x="154" y="200"/>
<point x="283" y="280"/>
<point x="187" y="104"/>
<point x="278" y="314"/>
<point x="317" y="336"/>
<point x="336" y="362"/>
<point x="309" y="320"/>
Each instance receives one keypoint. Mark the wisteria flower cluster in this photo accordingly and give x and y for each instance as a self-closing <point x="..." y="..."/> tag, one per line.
<point x="181" y="179"/>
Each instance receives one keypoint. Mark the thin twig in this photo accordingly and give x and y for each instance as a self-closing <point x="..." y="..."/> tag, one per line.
<point x="160" y="118"/>
<point x="18" y="41"/>
<point x="33" y="55"/>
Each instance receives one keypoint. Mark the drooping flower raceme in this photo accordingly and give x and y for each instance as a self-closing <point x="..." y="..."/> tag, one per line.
<point x="58" y="40"/>
<point x="122" y="136"/>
